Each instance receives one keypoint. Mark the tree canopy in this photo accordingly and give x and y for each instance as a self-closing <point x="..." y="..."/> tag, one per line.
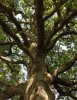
<point x="38" y="29"/>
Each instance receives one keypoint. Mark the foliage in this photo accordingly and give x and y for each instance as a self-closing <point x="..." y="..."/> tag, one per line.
<point x="53" y="34"/>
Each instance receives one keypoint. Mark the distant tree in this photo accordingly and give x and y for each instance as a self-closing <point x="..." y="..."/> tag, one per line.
<point x="38" y="37"/>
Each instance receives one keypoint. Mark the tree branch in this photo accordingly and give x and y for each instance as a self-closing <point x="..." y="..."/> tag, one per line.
<point x="65" y="82"/>
<point x="55" y="10"/>
<point x="63" y="92"/>
<point x="66" y="67"/>
<point x="6" y="43"/>
<point x="17" y="24"/>
<point x="40" y="25"/>
<point x="51" y="45"/>
<point x="12" y="91"/>
<point x="9" y="32"/>
<point x="11" y="61"/>
<point x="60" y="24"/>
<point x="10" y="44"/>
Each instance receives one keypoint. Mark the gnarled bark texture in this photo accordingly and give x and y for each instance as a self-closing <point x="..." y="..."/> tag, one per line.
<point x="37" y="88"/>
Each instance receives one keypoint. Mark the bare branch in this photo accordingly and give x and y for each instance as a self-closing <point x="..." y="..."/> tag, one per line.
<point x="65" y="82"/>
<point x="66" y="67"/>
<point x="40" y="24"/>
<point x="9" y="32"/>
<point x="5" y="59"/>
<point x="60" y="24"/>
<point x="51" y="45"/>
<point x="63" y="92"/>
<point x="14" y="20"/>
<point x="10" y="44"/>
<point x="12" y="91"/>
<point x="55" y="10"/>
<point x="6" y="43"/>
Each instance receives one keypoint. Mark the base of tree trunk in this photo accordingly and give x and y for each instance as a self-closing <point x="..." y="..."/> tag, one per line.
<point x="37" y="89"/>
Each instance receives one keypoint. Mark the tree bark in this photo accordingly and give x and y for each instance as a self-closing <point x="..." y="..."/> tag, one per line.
<point x="37" y="87"/>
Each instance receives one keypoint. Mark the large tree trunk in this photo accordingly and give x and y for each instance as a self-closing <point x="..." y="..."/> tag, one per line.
<point x="37" y="88"/>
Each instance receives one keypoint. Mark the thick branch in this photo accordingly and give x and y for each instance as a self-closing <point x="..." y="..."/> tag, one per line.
<point x="11" y="61"/>
<point x="51" y="45"/>
<point x="65" y="82"/>
<point x="66" y="67"/>
<point x="8" y="31"/>
<point x="14" y="20"/>
<point x="63" y="92"/>
<point x="12" y="91"/>
<point x="60" y="24"/>
<point x="40" y="24"/>
<point x="6" y="43"/>
<point x="55" y="10"/>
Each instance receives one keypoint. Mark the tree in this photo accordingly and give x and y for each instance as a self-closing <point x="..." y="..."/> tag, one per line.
<point x="39" y="36"/>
